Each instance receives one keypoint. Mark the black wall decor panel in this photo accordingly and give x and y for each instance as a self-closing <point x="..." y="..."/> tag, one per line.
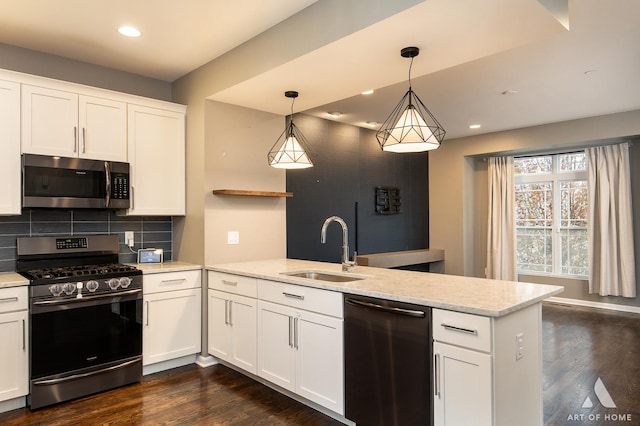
<point x="349" y="166"/>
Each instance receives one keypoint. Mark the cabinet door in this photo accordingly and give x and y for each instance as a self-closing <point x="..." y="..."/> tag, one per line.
<point x="10" y="173"/>
<point x="102" y="127"/>
<point x="319" y="360"/>
<point x="156" y="147"/>
<point x="243" y="319"/>
<point x="462" y="386"/>
<point x="219" y="330"/>
<point x="276" y="356"/>
<point x="49" y="121"/>
<point x="14" y="374"/>
<point x="171" y="325"/>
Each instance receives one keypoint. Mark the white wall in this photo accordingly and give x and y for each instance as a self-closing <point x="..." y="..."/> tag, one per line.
<point x="237" y="140"/>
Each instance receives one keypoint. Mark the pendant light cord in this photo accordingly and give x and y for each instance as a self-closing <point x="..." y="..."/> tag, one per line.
<point x="410" y="65"/>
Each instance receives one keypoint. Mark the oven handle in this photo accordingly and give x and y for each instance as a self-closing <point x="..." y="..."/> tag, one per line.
<point x="86" y="299"/>
<point x="91" y="373"/>
<point x="107" y="170"/>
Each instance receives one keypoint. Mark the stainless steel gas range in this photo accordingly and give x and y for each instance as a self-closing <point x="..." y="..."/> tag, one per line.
<point x="85" y="313"/>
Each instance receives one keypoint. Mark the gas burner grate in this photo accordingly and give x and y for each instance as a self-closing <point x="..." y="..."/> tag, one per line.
<point x="78" y="271"/>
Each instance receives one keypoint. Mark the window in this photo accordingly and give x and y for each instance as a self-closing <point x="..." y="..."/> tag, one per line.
<point x="551" y="214"/>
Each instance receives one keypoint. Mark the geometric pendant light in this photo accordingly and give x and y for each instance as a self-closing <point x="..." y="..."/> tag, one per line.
<point x="291" y="150"/>
<point x="410" y="127"/>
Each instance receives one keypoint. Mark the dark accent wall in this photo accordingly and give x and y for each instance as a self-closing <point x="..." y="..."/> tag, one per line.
<point x="149" y="231"/>
<point x="348" y="167"/>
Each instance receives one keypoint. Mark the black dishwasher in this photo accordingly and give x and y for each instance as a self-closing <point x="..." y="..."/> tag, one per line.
<point x="388" y="367"/>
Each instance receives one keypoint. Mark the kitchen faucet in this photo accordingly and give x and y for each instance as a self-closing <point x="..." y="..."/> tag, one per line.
<point x="346" y="263"/>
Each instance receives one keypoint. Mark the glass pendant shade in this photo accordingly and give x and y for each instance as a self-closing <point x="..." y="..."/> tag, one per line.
<point x="410" y="127"/>
<point x="289" y="150"/>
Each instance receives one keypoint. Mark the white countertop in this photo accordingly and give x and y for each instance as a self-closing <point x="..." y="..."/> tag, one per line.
<point x="479" y="296"/>
<point x="12" y="279"/>
<point x="155" y="268"/>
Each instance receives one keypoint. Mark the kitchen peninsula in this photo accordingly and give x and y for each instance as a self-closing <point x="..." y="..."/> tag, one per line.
<point x="486" y="334"/>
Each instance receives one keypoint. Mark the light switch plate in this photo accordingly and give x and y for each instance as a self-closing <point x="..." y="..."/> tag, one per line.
<point x="233" y="237"/>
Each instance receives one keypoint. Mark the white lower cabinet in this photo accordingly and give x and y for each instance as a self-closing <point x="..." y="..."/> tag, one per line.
<point x="171" y="316"/>
<point x="14" y="351"/>
<point x="300" y="350"/>
<point x="481" y="375"/>
<point x="462" y="379"/>
<point x="232" y="329"/>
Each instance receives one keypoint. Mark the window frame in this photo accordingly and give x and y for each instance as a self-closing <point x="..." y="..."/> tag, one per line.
<point x="555" y="177"/>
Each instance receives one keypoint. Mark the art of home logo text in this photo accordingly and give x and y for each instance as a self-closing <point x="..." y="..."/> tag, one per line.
<point x="604" y="398"/>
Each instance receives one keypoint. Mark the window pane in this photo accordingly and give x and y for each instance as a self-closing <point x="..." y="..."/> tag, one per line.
<point x="574" y="252"/>
<point x="574" y="203"/>
<point x="572" y="162"/>
<point x="532" y="165"/>
<point x="534" y="250"/>
<point x="534" y="204"/>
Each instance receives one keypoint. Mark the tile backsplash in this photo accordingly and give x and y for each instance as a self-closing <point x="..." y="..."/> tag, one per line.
<point x="149" y="231"/>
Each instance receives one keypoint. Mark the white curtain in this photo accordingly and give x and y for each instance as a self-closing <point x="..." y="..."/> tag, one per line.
<point x="611" y="251"/>
<point x="501" y="235"/>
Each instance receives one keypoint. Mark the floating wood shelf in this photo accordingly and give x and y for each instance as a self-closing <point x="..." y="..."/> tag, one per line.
<point x="252" y="193"/>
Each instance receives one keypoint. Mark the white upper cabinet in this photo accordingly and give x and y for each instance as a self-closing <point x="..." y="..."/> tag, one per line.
<point x="58" y="122"/>
<point x="10" y="158"/>
<point x="157" y="158"/>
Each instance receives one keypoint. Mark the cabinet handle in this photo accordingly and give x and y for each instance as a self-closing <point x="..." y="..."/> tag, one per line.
<point x="436" y="378"/>
<point x="234" y="283"/>
<point x="290" y="331"/>
<point x="226" y="312"/>
<point x="9" y="299"/>
<point x="24" y="336"/>
<point x="459" y="329"/>
<point x="231" y="313"/>
<point x="293" y="296"/>
<point x="147" y="321"/>
<point x="84" y="139"/>
<point x="295" y="332"/>
<point x="171" y="282"/>
<point x="75" y="139"/>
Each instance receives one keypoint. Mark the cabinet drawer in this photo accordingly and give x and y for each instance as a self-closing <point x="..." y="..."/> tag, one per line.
<point x="236" y="284"/>
<point x="466" y="330"/>
<point x="14" y="299"/>
<point x="170" y="281"/>
<point x="311" y="299"/>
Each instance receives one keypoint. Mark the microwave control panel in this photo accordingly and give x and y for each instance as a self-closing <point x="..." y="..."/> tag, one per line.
<point x="119" y="186"/>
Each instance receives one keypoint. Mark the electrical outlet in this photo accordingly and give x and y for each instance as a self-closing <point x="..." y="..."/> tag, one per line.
<point x="519" y="345"/>
<point x="128" y="238"/>
<point x="233" y="237"/>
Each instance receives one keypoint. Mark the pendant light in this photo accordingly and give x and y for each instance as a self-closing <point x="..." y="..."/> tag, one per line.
<point x="291" y="150"/>
<point x="410" y="127"/>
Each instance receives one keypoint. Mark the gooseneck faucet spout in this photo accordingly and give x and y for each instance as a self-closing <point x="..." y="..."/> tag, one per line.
<point x="346" y="263"/>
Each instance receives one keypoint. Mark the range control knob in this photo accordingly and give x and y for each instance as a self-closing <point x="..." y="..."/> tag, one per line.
<point x="92" y="285"/>
<point x="114" y="283"/>
<point x="56" y="289"/>
<point x="125" y="282"/>
<point x="69" y="288"/>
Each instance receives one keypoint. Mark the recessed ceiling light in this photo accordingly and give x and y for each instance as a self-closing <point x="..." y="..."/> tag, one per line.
<point x="475" y="126"/>
<point x="367" y="92"/>
<point x="372" y="123"/>
<point x="334" y="114"/>
<point x="510" y="92"/>
<point x="129" y="31"/>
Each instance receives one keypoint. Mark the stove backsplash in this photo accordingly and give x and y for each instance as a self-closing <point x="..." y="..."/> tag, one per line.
<point x="149" y="231"/>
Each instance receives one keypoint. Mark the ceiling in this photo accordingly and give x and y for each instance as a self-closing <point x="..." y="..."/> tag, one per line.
<point x="502" y="64"/>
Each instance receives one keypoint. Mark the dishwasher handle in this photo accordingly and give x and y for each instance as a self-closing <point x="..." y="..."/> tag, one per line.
<point x="389" y="309"/>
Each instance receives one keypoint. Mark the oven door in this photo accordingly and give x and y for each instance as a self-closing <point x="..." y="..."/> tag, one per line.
<point x="83" y="346"/>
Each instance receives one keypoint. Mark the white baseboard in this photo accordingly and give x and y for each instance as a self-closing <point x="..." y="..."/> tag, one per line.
<point x="167" y="365"/>
<point x="589" y="304"/>
<point x="206" y="361"/>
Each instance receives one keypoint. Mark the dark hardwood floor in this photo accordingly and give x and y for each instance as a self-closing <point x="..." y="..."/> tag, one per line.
<point x="580" y="345"/>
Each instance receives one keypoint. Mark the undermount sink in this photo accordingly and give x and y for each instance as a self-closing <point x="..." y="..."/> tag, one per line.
<point x="324" y="276"/>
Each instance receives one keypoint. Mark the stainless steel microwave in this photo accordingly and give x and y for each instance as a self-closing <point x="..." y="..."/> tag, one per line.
<point x="74" y="183"/>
